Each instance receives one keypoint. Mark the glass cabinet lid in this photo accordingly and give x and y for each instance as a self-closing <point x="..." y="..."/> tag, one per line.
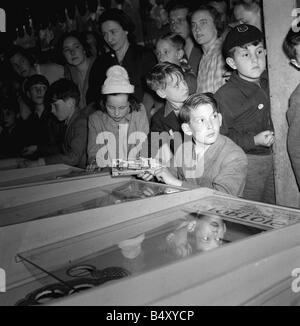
<point x="112" y="194"/>
<point x="130" y="248"/>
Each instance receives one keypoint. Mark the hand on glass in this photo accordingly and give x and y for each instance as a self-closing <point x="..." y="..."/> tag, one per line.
<point x="164" y="175"/>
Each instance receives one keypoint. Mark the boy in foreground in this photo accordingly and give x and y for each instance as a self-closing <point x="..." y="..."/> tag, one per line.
<point x="206" y="159"/>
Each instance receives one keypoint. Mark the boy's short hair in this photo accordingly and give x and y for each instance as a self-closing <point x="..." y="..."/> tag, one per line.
<point x="240" y="36"/>
<point x="192" y="102"/>
<point x="177" y="41"/>
<point x="158" y="76"/>
<point x="35" y="80"/>
<point x="63" y="89"/>
<point x="291" y="40"/>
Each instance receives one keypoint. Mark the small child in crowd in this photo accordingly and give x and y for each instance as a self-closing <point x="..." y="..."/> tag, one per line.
<point x="120" y="127"/>
<point x="42" y="126"/>
<point x="291" y="48"/>
<point x="245" y="106"/>
<point x="170" y="48"/>
<point x="207" y="159"/>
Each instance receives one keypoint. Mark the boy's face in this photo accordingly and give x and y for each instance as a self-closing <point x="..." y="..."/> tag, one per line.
<point x="37" y="93"/>
<point x="203" y="28"/>
<point x="166" y="52"/>
<point x="296" y="62"/>
<point x="249" y="61"/>
<point x="63" y="109"/>
<point x="21" y="65"/>
<point x="176" y="91"/>
<point x="204" y="124"/>
<point x="179" y="24"/>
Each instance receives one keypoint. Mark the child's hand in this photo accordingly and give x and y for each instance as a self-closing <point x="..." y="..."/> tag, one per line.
<point x="167" y="177"/>
<point x="265" y="138"/>
<point x="92" y="167"/>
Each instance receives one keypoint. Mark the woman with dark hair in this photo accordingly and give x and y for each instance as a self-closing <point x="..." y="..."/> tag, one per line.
<point x="118" y="33"/>
<point x="78" y="63"/>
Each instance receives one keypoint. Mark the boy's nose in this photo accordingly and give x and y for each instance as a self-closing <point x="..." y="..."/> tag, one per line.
<point x="209" y="124"/>
<point x="117" y="112"/>
<point x="254" y="57"/>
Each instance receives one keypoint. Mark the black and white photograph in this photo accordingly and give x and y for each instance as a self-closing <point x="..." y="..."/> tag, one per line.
<point x="150" y="155"/>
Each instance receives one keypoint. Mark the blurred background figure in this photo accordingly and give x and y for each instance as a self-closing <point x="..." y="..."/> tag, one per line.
<point x="248" y="12"/>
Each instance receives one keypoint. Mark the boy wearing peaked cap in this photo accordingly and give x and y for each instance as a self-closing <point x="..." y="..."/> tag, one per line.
<point x="245" y="106"/>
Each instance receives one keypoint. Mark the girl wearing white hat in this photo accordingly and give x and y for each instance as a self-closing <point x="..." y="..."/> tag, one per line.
<point x="120" y="127"/>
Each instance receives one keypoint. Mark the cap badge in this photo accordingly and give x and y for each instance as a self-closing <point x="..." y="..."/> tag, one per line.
<point x="260" y="106"/>
<point x="242" y="28"/>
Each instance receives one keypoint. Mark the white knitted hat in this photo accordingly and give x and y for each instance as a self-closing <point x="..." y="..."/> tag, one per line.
<point x="117" y="81"/>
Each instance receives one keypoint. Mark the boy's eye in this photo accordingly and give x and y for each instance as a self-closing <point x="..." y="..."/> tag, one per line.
<point x="260" y="51"/>
<point x="201" y="120"/>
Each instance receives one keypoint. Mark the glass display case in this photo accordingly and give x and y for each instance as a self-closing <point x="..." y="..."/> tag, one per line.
<point x="110" y="194"/>
<point x="136" y="247"/>
<point x="199" y="233"/>
<point x="191" y="234"/>
<point x="42" y="174"/>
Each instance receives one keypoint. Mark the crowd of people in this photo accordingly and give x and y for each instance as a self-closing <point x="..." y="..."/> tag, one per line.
<point x="196" y="97"/>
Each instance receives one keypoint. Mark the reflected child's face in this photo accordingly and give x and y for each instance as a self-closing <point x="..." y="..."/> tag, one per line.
<point x="117" y="106"/>
<point x="209" y="233"/>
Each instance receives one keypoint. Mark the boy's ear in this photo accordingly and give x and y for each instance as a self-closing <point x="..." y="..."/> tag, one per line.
<point x="180" y="54"/>
<point x="220" y="118"/>
<point x="295" y="63"/>
<point x="161" y="93"/>
<point x="231" y="63"/>
<point x="71" y="103"/>
<point x="186" y="129"/>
